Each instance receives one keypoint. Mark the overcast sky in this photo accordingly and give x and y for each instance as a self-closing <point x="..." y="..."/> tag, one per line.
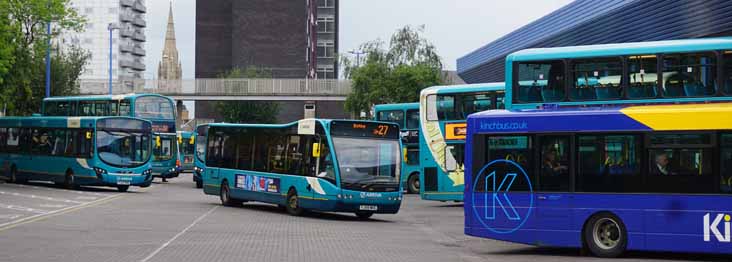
<point x="455" y="27"/>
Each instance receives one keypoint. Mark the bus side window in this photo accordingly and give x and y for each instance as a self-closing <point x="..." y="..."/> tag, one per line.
<point x="555" y="161"/>
<point x="726" y="161"/>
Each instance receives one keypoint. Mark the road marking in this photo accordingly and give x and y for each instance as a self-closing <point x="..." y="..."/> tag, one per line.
<point x="86" y="198"/>
<point x="41" y="197"/>
<point x="22" y="208"/>
<point x="178" y="235"/>
<point x="10" y="216"/>
<point x="57" y="189"/>
<point x="34" y="218"/>
<point x="52" y="205"/>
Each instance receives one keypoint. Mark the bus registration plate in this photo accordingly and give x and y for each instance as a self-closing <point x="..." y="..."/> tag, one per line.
<point x="123" y="182"/>
<point x="368" y="207"/>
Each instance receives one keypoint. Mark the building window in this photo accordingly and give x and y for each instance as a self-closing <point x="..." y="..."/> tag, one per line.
<point x="325" y="73"/>
<point x="326" y="25"/>
<point x="326" y="50"/>
<point x="326" y="3"/>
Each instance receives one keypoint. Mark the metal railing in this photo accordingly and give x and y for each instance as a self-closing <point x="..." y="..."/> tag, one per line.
<point x="222" y="87"/>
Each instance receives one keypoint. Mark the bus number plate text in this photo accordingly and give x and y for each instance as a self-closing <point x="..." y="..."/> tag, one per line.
<point x="368" y="208"/>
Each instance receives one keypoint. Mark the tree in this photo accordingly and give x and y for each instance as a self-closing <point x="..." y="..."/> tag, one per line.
<point x="24" y="43"/>
<point x="395" y="74"/>
<point x="261" y="112"/>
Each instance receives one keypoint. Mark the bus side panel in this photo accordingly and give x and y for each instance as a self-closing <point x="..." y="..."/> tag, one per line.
<point x="679" y="223"/>
<point x="211" y="181"/>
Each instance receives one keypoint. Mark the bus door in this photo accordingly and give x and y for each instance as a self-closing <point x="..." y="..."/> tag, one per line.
<point x="553" y="199"/>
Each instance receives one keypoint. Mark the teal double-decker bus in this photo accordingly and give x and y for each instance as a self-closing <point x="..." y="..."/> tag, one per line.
<point x="199" y="161"/>
<point x="77" y="151"/>
<point x="311" y="164"/>
<point x="442" y="114"/>
<point x="670" y="72"/>
<point x="406" y="115"/>
<point x="187" y="145"/>
<point x="159" y="110"/>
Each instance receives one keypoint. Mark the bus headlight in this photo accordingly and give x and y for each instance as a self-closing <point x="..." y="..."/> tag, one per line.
<point x="147" y="172"/>
<point x="99" y="171"/>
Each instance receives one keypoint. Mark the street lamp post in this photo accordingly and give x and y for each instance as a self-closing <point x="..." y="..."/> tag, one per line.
<point x="358" y="54"/>
<point x="48" y="61"/>
<point x="111" y="28"/>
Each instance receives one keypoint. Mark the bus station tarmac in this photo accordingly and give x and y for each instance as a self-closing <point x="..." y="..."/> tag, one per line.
<point x="177" y="222"/>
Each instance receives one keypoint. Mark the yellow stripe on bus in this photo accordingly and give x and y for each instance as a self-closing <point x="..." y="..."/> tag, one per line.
<point x="683" y="117"/>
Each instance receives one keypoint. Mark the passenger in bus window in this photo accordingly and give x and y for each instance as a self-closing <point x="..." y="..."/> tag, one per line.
<point x="551" y="166"/>
<point x="662" y="166"/>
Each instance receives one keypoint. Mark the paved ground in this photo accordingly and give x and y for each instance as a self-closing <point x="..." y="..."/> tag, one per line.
<point x="176" y="222"/>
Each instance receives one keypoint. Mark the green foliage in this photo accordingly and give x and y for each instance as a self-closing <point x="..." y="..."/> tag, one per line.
<point x="395" y="74"/>
<point x="23" y="45"/>
<point x="260" y="112"/>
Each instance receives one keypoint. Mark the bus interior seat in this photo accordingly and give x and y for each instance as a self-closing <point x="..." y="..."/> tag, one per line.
<point x="550" y="94"/>
<point x="607" y="92"/>
<point x="584" y="93"/>
<point x="728" y="86"/>
<point x="694" y="89"/>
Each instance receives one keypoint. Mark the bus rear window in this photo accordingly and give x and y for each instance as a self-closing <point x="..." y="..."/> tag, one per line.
<point x="540" y="81"/>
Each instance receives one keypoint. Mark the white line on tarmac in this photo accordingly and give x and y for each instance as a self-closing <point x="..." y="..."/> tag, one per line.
<point x="22" y="208"/>
<point x="57" y="189"/>
<point x="41" y="197"/>
<point x="10" y="224"/>
<point x="178" y="235"/>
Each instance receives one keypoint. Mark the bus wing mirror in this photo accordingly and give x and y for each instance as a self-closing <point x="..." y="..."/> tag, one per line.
<point x="404" y="153"/>
<point x="316" y="150"/>
<point x="180" y="140"/>
<point x="192" y="140"/>
<point x="157" y="141"/>
<point x="450" y="162"/>
<point x="88" y="135"/>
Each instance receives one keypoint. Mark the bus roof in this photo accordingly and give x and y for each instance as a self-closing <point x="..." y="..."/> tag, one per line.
<point x="100" y="97"/>
<point x="717" y="116"/>
<point x="636" y="48"/>
<point x="400" y="106"/>
<point x="185" y="133"/>
<point x="454" y="89"/>
<point x="322" y="121"/>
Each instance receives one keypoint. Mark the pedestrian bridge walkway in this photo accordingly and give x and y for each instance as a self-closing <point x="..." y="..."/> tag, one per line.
<point x="228" y="89"/>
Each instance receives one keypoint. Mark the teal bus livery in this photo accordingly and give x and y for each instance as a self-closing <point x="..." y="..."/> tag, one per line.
<point x="199" y="161"/>
<point x="311" y="164"/>
<point x="406" y="115"/>
<point x="77" y="151"/>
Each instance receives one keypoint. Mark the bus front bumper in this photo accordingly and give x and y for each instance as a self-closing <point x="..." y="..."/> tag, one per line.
<point x="165" y="172"/>
<point x="114" y="180"/>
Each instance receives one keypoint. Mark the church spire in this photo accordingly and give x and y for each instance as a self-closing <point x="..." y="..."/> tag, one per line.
<point x="169" y="67"/>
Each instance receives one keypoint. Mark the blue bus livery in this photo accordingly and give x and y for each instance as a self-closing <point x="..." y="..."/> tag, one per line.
<point x="199" y="161"/>
<point x="443" y="110"/>
<point x="160" y="110"/>
<point x="406" y="115"/>
<point x="77" y="151"/>
<point x="691" y="71"/>
<point x="312" y="164"/>
<point x="187" y="148"/>
<point x="653" y="177"/>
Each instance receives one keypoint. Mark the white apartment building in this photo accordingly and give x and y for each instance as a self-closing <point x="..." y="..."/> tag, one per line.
<point x="128" y="40"/>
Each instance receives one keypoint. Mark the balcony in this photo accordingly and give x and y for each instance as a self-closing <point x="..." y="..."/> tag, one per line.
<point x="126" y="32"/>
<point x="139" y="35"/>
<point x="127" y="3"/>
<point x="125" y="48"/>
<point x="138" y="51"/>
<point x="126" y="17"/>
<point x="140" y="7"/>
<point x="139" y="21"/>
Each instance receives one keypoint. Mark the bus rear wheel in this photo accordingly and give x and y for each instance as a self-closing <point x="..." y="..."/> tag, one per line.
<point x="293" y="204"/>
<point x="364" y="215"/>
<point x="413" y="184"/>
<point x="225" y="196"/>
<point x="605" y="235"/>
<point x="123" y="188"/>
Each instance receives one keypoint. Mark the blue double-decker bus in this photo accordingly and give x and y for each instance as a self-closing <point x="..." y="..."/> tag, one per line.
<point x="674" y="71"/>
<point x="609" y="179"/>
<point x="160" y="110"/>
<point x="76" y="151"/>
<point x="199" y="161"/>
<point x="187" y="146"/>
<point x="312" y="164"/>
<point x="442" y="114"/>
<point x="406" y="115"/>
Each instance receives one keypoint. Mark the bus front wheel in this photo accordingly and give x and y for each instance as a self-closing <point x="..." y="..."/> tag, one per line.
<point x="199" y="184"/>
<point x="69" y="182"/>
<point x="413" y="184"/>
<point x="293" y="204"/>
<point x="122" y="188"/>
<point x="364" y="215"/>
<point x="13" y="175"/>
<point x="226" y="199"/>
<point x="605" y="235"/>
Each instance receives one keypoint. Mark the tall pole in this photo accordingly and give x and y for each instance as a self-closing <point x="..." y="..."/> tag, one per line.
<point x="358" y="56"/>
<point x="48" y="61"/>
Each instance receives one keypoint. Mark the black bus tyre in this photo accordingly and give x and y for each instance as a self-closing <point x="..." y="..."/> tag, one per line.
<point x="123" y="188"/>
<point x="293" y="204"/>
<point x="199" y="184"/>
<point x="413" y="184"/>
<point x="605" y="235"/>
<point x="224" y="195"/>
<point x="13" y="175"/>
<point x="364" y="215"/>
<point x="69" y="182"/>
